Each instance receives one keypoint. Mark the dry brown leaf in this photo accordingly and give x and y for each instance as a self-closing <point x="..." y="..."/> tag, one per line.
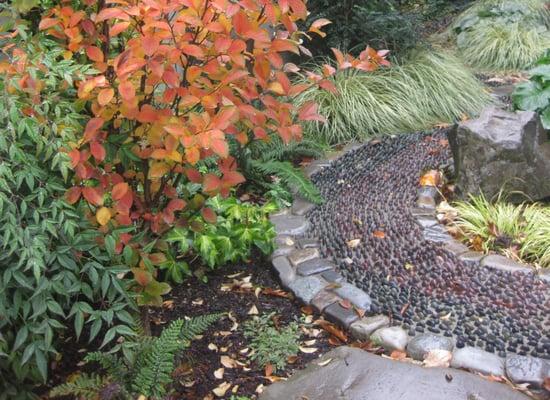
<point x="292" y="359"/>
<point x="353" y="243"/>
<point x="212" y="347"/>
<point x="398" y="355"/>
<point x="228" y="362"/>
<point x="274" y="379"/>
<point x="332" y="329"/>
<point x="276" y="293"/>
<point x="218" y="374"/>
<point x="310" y="342"/>
<point x="431" y="178"/>
<point x="307" y="310"/>
<point x="222" y="389"/>
<point x="197" y="302"/>
<point x="438" y="358"/>
<point x="379" y="234"/>
<point x="345" y="303"/>
<point x="168" y="304"/>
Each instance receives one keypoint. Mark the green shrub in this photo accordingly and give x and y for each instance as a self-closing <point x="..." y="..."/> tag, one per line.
<point x="148" y="372"/>
<point x="54" y="274"/>
<point x="239" y="227"/>
<point x="534" y="95"/>
<point x="433" y="87"/>
<point x="519" y="230"/>
<point x="503" y="34"/>
<point x="270" y="344"/>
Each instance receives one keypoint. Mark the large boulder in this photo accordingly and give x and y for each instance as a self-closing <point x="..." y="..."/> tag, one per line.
<point x="502" y="150"/>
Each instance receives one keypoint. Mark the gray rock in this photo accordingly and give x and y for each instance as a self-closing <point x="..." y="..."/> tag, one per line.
<point x="437" y="234"/>
<point x="500" y="150"/>
<point x="544" y="275"/>
<point x="284" y="270"/>
<point x="284" y="240"/>
<point x="391" y="338"/>
<point x="427" y="196"/>
<point x="502" y="263"/>
<point x="307" y="243"/>
<point x="455" y="247"/>
<point x="300" y="256"/>
<point x="426" y="212"/>
<point x="340" y="315"/>
<point x="333" y="276"/>
<point x="363" y="329"/>
<point x="472" y="256"/>
<point x="323" y="299"/>
<point x="426" y="221"/>
<point x="419" y="346"/>
<point x="353" y="374"/>
<point x="282" y="251"/>
<point x="301" y="206"/>
<point x="478" y="360"/>
<point x="315" y="266"/>
<point x="523" y="369"/>
<point x="355" y="295"/>
<point x="306" y="288"/>
<point x="315" y="166"/>
<point x="289" y="225"/>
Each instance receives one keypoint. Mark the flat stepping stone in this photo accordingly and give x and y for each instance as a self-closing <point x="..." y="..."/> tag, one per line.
<point x="502" y="263"/>
<point x="456" y="248"/>
<point x="301" y="206"/>
<point x="333" y="276"/>
<point x="419" y="346"/>
<point x="284" y="270"/>
<point x="289" y="224"/>
<point x="353" y="374"/>
<point x="471" y="257"/>
<point x="300" y="256"/>
<point x="391" y="338"/>
<point x="356" y="296"/>
<point x="478" y="360"/>
<point x="366" y="326"/>
<point x="524" y="369"/>
<point x="315" y="266"/>
<point x="306" y="288"/>
<point x="340" y="315"/>
<point x="323" y="299"/>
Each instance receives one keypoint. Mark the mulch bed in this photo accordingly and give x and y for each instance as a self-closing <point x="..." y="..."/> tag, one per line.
<point x="194" y="377"/>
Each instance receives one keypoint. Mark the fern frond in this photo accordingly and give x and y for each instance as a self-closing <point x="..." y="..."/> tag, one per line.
<point x="291" y="177"/>
<point x="196" y="326"/>
<point x="85" y="386"/>
<point x="111" y="363"/>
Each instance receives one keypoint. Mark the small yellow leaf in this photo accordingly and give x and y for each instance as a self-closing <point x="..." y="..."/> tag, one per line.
<point x="308" y="350"/>
<point x="323" y="363"/>
<point x="253" y="310"/>
<point x="221" y="389"/>
<point x="218" y="374"/>
<point x="103" y="216"/>
<point x="228" y="362"/>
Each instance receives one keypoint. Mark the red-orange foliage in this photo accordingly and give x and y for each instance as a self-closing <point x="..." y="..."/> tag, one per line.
<point x="175" y="79"/>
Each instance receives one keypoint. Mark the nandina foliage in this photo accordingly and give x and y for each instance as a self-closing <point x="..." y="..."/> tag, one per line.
<point x="176" y="81"/>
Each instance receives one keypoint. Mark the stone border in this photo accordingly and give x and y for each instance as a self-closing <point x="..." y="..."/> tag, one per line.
<point x="315" y="282"/>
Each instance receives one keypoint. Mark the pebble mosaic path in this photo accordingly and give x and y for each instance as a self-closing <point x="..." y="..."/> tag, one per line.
<point x="369" y="193"/>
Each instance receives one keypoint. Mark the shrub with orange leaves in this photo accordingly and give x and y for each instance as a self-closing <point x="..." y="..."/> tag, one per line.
<point x="175" y="82"/>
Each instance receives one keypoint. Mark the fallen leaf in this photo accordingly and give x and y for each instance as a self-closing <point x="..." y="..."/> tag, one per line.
<point x="398" y="355"/>
<point x="276" y="293"/>
<point x="310" y="342"/>
<point x="307" y="310"/>
<point x="308" y="350"/>
<point x="431" y="178"/>
<point x="235" y="325"/>
<point x="292" y="359"/>
<point x="332" y="329"/>
<point x="257" y="291"/>
<point x="546" y="383"/>
<point x="222" y="389"/>
<point x="353" y="243"/>
<point x="244" y="351"/>
<point x="326" y="362"/>
<point x="253" y="310"/>
<point x="409" y="267"/>
<point x="212" y="346"/>
<point x="197" y="302"/>
<point x="345" y="303"/>
<point x="235" y="389"/>
<point x="168" y="304"/>
<point x="348" y="260"/>
<point x="268" y="370"/>
<point x="379" y="234"/>
<point x="360" y="312"/>
<point x="218" y="374"/>
<point x="438" y="358"/>
<point x="259" y="389"/>
<point x="228" y="362"/>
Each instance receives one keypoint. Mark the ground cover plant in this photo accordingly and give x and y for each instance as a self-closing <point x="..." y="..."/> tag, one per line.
<point x="520" y="231"/>
<point x="432" y="87"/>
<point x="503" y="35"/>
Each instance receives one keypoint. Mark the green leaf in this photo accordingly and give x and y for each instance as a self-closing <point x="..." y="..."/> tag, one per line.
<point x="531" y="96"/>
<point x="545" y="118"/>
<point x="21" y="337"/>
<point x="42" y="364"/>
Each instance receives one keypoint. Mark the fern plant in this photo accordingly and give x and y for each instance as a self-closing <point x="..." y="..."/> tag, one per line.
<point x="147" y="372"/>
<point x="270" y="166"/>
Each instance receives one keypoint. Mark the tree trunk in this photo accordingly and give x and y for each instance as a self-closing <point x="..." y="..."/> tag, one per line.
<point x="145" y="320"/>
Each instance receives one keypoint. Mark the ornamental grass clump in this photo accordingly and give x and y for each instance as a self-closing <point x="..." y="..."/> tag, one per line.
<point x="432" y="87"/>
<point x="521" y="231"/>
<point x="503" y="35"/>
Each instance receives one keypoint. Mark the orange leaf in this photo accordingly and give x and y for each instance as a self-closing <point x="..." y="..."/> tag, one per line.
<point x="209" y="215"/>
<point x="118" y="28"/>
<point x="119" y="190"/>
<point x="308" y="112"/>
<point x="94" y="53"/>
<point x="105" y="96"/>
<point x="379" y="234"/>
<point x="47" y="23"/>
<point x="74" y="155"/>
<point x="73" y="194"/>
<point x="142" y="277"/>
<point x="431" y="178"/>
<point x="158" y="170"/>
<point x="111" y="13"/>
<point x="93" y="195"/>
<point x="97" y="150"/>
<point x="103" y="216"/>
<point x="192" y="50"/>
<point x="232" y="178"/>
<point x="92" y="127"/>
<point x="127" y="90"/>
<point x="211" y="183"/>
